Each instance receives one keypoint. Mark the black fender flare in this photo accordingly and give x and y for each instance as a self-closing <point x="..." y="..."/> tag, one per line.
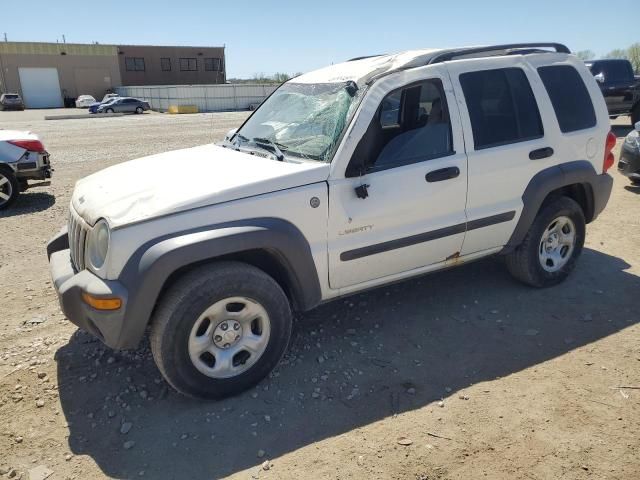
<point x="149" y="268"/>
<point x="597" y="189"/>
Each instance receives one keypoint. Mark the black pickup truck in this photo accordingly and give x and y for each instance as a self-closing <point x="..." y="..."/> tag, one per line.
<point x="621" y="89"/>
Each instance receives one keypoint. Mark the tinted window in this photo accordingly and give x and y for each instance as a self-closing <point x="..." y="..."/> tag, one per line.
<point x="411" y="125"/>
<point x="134" y="64"/>
<point x="188" y="64"/>
<point x="165" y="64"/>
<point x="569" y="97"/>
<point x="613" y="71"/>
<point x="501" y="106"/>
<point x="212" y="64"/>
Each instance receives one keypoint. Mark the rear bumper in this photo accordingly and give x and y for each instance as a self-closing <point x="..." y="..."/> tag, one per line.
<point x="108" y="326"/>
<point x="629" y="163"/>
<point x="33" y="166"/>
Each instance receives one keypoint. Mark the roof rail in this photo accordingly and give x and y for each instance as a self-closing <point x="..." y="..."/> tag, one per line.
<point x="363" y="57"/>
<point x="510" y="48"/>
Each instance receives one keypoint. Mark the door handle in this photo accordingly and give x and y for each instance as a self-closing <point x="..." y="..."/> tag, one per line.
<point x="442" y="174"/>
<point x="540" y="153"/>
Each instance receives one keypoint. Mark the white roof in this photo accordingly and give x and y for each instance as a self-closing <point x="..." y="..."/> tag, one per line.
<point x="360" y="71"/>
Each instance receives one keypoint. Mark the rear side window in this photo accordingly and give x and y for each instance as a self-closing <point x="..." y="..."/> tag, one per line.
<point x="501" y="106"/>
<point x="569" y="97"/>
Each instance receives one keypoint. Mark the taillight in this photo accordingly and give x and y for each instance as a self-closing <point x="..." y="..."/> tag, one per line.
<point x="31" y="145"/>
<point x="609" y="159"/>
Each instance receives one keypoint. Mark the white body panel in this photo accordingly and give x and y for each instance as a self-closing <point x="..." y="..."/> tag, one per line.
<point x="10" y="153"/>
<point x="40" y="87"/>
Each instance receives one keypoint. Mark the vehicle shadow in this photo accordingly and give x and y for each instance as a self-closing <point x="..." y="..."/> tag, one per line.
<point x="621" y="131"/>
<point x="29" y="202"/>
<point x="633" y="189"/>
<point x="352" y="362"/>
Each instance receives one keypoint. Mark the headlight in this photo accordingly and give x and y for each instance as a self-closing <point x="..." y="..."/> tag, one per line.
<point x="98" y="244"/>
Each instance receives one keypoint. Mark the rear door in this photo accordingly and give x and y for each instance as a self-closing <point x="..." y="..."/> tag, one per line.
<point x="506" y="142"/>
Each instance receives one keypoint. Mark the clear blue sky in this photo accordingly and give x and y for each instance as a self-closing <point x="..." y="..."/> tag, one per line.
<point x="292" y="36"/>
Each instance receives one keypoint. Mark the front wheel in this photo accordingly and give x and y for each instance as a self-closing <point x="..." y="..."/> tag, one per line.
<point x="109" y="110"/>
<point x="220" y="329"/>
<point x="9" y="187"/>
<point x="552" y="245"/>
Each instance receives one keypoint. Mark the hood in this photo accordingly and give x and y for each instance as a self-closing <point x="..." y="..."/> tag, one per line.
<point x="184" y="179"/>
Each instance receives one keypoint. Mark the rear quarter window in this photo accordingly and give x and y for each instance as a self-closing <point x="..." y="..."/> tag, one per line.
<point x="569" y="96"/>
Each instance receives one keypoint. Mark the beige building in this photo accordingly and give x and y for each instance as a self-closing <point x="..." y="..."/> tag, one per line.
<point x="47" y="73"/>
<point x="50" y="75"/>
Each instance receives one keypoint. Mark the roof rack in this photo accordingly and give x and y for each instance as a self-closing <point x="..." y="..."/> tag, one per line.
<point x="363" y="57"/>
<point x="509" y="49"/>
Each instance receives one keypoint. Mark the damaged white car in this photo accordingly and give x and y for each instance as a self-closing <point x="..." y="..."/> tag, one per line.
<point x="347" y="178"/>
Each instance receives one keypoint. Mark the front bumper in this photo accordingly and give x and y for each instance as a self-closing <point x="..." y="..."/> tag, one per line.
<point x="629" y="163"/>
<point x="108" y="326"/>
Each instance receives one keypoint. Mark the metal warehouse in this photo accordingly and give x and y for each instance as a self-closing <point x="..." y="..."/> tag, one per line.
<point x="50" y="75"/>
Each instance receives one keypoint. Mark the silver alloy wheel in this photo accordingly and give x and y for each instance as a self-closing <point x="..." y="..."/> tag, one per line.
<point x="557" y="244"/>
<point x="6" y="189"/>
<point x="229" y="337"/>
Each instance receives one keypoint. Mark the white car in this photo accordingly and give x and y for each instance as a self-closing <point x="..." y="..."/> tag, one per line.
<point x="85" y="101"/>
<point x="347" y="178"/>
<point x="22" y="158"/>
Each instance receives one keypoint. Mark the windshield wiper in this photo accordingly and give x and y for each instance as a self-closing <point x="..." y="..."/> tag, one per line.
<point x="265" y="141"/>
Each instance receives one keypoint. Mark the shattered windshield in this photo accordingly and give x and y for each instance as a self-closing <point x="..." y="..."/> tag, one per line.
<point x="303" y="120"/>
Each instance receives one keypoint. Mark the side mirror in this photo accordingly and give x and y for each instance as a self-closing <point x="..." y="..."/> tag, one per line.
<point x="599" y="77"/>
<point x="230" y="134"/>
<point x="637" y="126"/>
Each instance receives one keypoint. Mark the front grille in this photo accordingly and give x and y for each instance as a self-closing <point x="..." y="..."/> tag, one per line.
<point x="78" y="229"/>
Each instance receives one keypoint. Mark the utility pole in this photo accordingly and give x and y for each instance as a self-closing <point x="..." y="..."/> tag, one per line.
<point x="5" y="37"/>
<point x="64" y="40"/>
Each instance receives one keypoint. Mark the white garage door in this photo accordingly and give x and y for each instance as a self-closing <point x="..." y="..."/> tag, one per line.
<point x="40" y="87"/>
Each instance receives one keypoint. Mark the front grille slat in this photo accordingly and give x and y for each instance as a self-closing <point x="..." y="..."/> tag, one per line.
<point x="78" y="231"/>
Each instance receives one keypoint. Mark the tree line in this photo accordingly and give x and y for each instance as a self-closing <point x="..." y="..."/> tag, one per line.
<point x="632" y="54"/>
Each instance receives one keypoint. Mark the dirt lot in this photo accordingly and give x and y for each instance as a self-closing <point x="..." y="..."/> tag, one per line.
<point x="482" y="376"/>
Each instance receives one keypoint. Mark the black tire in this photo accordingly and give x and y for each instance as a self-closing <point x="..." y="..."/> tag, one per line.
<point x="188" y="298"/>
<point x="139" y="110"/>
<point x="635" y="115"/>
<point x="524" y="263"/>
<point x="109" y="110"/>
<point x="9" y="187"/>
<point x="635" y="181"/>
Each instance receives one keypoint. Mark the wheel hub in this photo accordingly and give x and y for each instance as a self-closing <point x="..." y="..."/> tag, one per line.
<point x="227" y="334"/>
<point x="552" y="242"/>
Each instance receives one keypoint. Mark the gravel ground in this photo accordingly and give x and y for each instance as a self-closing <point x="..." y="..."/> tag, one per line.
<point x="461" y="374"/>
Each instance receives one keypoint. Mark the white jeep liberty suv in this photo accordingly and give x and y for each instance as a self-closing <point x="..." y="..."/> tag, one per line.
<point x="346" y="178"/>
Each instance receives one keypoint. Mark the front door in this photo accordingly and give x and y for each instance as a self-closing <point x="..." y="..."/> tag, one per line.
<point x="400" y="204"/>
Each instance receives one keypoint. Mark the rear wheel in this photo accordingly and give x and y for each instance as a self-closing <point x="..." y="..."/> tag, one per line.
<point x="220" y="329"/>
<point x="9" y="187"/>
<point x="139" y="110"/>
<point x="552" y="245"/>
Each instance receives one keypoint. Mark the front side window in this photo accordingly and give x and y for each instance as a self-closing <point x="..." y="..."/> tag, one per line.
<point x="134" y="64"/>
<point x="569" y="97"/>
<point x="411" y="125"/>
<point x="304" y="120"/>
<point x="501" y="106"/>
<point x="188" y="64"/>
